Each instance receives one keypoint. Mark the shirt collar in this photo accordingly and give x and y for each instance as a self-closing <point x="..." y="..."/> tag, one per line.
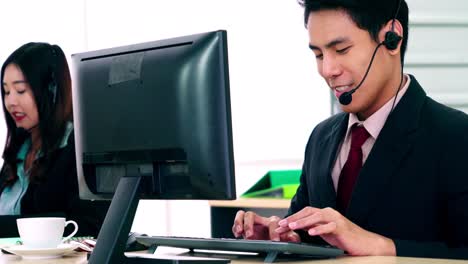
<point x="376" y="121"/>
<point x="23" y="151"/>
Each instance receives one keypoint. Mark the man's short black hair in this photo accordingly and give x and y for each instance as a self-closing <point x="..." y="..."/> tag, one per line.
<point x="369" y="15"/>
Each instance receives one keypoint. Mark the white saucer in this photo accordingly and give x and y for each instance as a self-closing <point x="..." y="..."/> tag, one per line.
<point x="41" y="253"/>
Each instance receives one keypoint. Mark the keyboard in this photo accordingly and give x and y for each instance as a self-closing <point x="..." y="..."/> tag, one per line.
<point x="242" y="245"/>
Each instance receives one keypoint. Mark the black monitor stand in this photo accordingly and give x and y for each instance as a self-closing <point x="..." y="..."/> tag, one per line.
<point x="112" y="238"/>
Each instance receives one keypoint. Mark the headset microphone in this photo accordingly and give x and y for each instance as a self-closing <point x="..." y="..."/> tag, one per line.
<point x="346" y="97"/>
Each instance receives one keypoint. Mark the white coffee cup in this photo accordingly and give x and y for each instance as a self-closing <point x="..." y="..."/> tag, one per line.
<point x="43" y="232"/>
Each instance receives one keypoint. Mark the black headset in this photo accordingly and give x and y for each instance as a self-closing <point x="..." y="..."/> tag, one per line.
<point x="390" y="42"/>
<point x="391" y="37"/>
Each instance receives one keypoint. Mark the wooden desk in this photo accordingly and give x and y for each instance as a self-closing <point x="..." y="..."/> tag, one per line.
<point x="80" y="258"/>
<point x="223" y="212"/>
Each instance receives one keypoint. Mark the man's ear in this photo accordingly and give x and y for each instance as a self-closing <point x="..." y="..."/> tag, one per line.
<point x="392" y="40"/>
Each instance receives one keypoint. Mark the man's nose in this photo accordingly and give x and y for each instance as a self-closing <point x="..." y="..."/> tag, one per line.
<point x="330" y="67"/>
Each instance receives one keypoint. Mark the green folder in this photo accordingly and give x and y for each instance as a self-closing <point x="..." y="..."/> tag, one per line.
<point x="275" y="184"/>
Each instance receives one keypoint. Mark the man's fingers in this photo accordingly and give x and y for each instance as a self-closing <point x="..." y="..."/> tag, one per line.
<point x="323" y="229"/>
<point x="316" y="218"/>
<point x="299" y="215"/>
<point x="238" y="227"/>
<point x="249" y="218"/>
<point x="263" y="220"/>
<point x="290" y="236"/>
<point x="272" y="226"/>
<point x="281" y="230"/>
<point x="312" y="217"/>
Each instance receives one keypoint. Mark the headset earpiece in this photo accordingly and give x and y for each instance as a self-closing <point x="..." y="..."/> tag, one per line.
<point x="391" y="37"/>
<point x="391" y="40"/>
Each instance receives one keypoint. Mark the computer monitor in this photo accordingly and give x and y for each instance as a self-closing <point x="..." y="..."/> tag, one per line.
<point x="153" y="121"/>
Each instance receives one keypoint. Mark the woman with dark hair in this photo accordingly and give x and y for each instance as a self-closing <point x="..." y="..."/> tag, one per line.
<point x="38" y="177"/>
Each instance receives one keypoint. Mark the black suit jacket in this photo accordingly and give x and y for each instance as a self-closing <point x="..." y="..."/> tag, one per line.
<point x="57" y="195"/>
<point x="413" y="187"/>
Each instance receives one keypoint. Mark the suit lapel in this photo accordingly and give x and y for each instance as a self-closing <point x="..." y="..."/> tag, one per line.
<point x="329" y="144"/>
<point x="395" y="140"/>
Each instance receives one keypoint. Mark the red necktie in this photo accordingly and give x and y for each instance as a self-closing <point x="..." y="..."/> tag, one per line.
<point x="352" y="167"/>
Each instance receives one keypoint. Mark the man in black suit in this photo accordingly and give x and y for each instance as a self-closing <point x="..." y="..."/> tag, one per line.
<point x="387" y="176"/>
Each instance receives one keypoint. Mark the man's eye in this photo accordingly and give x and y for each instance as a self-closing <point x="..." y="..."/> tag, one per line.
<point x="319" y="56"/>
<point x="341" y="51"/>
<point x="21" y="92"/>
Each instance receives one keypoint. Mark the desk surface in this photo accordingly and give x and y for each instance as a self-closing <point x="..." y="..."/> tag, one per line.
<point x="81" y="259"/>
<point x="253" y="203"/>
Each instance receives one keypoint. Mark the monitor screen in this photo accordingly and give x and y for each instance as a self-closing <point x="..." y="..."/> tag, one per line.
<point x="159" y="109"/>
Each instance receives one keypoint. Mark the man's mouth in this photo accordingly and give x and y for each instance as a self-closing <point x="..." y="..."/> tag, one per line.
<point x="342" y="89"/>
